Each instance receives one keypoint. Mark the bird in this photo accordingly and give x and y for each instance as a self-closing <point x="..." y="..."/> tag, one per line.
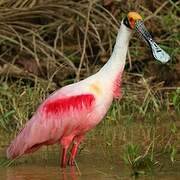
<point x="70" y="112"/>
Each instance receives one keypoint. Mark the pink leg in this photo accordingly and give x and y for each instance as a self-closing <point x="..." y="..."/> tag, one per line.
<point x="74" y="150"/>
<point x="63" y="159"/>
<point x="73" y="155"/>
<point x="65" y="141"/>
<point x="73" y="173"/>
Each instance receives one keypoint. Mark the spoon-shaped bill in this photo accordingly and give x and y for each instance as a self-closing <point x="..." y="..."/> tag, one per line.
<point x="158" y="53"/>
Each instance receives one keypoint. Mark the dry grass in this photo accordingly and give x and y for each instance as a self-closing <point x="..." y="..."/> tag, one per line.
<point x="45" y="44"/>
<point x="58" y="40"/>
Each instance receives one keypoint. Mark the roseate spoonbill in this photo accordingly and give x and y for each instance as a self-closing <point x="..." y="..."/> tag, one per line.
<point x="67" y="114"/>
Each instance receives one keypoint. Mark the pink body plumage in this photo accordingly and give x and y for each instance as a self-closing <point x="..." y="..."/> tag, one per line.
<point x="66" y="115"/>
<point x="62" y="120"/>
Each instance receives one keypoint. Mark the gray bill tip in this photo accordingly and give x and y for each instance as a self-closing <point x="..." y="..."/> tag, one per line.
<point x="157" y="52"/>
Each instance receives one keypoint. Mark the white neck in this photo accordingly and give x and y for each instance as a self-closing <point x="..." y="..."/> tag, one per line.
<point x="116" y="63"/>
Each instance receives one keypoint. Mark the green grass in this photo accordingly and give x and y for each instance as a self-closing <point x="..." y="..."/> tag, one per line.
<point x="127" y="120"/>
<point x="55" y="44"/>
<point x="139" y="163"/>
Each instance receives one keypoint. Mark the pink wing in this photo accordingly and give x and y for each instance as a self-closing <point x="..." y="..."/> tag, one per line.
<point x="55" y="118"/>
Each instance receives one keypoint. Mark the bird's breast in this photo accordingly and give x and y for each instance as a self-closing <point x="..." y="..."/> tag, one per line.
<point x="96" y="88"/>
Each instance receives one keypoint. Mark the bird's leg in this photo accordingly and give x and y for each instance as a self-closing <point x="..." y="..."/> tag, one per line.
<point x="63" y="159"/>
<point x="65" y="141"/>
<point x="74" y="150"/>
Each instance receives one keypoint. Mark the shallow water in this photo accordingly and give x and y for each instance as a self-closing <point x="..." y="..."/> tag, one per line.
<point x="85" y="172"/>
<point x="100" y="158"/>
<point x="90" y="165"/>
<point x="50" y="172"/>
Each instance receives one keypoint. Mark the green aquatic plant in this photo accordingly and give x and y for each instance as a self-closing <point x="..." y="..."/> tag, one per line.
<point x="176" y="100"/>
<point x="6" y="163"/>
<point x="173" y="153"/>
<point x="137" y="161"/>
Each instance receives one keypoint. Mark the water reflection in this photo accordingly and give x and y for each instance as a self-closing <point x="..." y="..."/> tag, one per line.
<point x="91" y="165"/>
<point x="34" y="172"/>
<point x="72" y="174"/>
<point x="91" y="169"/>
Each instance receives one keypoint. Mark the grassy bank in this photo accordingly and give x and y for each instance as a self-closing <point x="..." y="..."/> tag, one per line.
<point x="45" y="45"/>
<point x="142" y="126"/>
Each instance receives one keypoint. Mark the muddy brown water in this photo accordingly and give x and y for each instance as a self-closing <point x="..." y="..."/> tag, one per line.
<point x="99" y="158"/>
<point x="91" y="165"/>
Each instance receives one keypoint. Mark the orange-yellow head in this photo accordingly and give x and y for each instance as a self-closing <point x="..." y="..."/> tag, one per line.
<point x="131" y="19"/>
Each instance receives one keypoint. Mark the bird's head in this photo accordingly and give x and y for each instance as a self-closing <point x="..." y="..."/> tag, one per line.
<point x="135" y="22"/>
<point x="131" y="19"/>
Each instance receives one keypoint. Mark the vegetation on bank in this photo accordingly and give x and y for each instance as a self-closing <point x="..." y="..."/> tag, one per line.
<point x="46" y="44"/>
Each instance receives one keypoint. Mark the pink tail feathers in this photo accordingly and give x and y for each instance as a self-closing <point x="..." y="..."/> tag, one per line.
<point x="16" y="147"/>
<point x="29" y="139"/>
<point x="21" y="143"/>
